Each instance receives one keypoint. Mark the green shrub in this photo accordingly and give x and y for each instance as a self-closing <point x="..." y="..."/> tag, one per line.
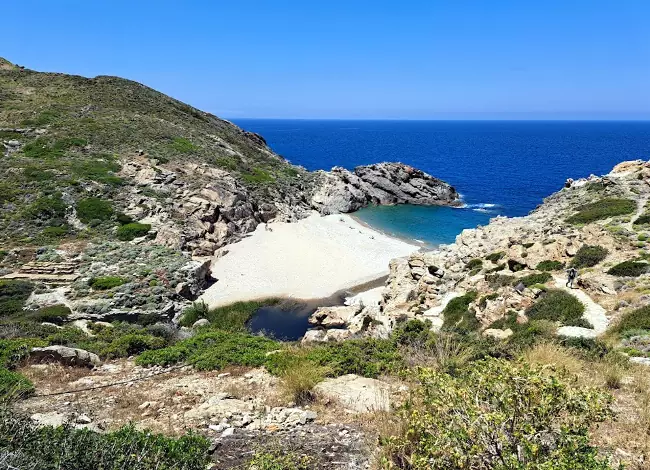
<point x="497" y="414"/>
<point x="213" y="350"/>
<point x="23" y="444"/>
<point x="474" y="264"/>
<point x="279" y="460"/>
<point x="123" y="219"/>
<point x="55" y="232"/>
<point x="629" y="269"/>
<point x="457" y="315"/>
<point x="588" y="256"/>
<point x="482" y="303"/>
<point x="499" y="280"/>
<point x="56" y="314"/>
<point x="413" y="333"/>
<point x="638" y="319"/>
<point x="496" y="256"/>
<point x="515" y="266"/>
<point x="133" y="230"/>
<point x="603" y="209"/>
<point x="13" y="351"/>
<point x="47" y="207"/>
<point x="93" y="208"/>
<point x="643" y="219"/>
<point x="41" y="149"/>
<point x="235" y="316"/>
<point x="13" y="295"/>
<point x="106" y="282"/>
<point x="132" y="344"/>
<point x="194" y="312"/>
<point x="528" y="334"/>
<point x="183" y="145"/>
<point x="13" y="386"/>
<point x="258" y="176"/>
<point x="558" y="306"/>
<point x="532" y="279"/>
<point x="550" y="265"/>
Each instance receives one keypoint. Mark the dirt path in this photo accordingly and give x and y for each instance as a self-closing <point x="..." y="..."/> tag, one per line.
<point x="594" y="313"/>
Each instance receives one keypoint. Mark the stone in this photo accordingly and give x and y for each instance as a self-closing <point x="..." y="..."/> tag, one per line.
<point x="497" y="334"/>
<point x="228" y="432"/>
<point x="201" y="322"/>
<point x="359" y="394"/>
<point x="65" y="355"/>
<point x="50" y="418"/>
<point x="83" y="419"/>
<point x="313" y="336"/>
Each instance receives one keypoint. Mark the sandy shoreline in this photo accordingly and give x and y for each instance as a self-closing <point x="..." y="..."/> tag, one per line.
<point x="310" y="259"/>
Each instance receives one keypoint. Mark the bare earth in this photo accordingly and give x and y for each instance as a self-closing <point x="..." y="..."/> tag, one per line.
<point x="309" y="259"/>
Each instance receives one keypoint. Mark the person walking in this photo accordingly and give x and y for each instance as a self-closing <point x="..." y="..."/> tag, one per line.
<point x="572" y="274"/>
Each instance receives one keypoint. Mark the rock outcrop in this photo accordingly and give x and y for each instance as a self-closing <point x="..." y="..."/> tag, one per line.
<point x="341" y="190"/>
<point x="64" y="355"/>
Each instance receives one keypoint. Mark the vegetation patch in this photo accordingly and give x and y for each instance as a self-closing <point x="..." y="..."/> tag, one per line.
<point x="558" y="306"/>
<point x="638" y="319"/>
<point x="499" y="280"/>
<point x="106" y="282"/>
<point x="529" y="417"/>
<point x="643" y="219"/>
<point x="229" y="318"/>
<point x="603" y="209"/>
<point x="258" y="176"/>
<point x="130" y="231"/>
<point x="94" y="208"/>
<point x="496" y="256"/>
<point x="532" y="279"/>
<point x="26" y="445"/>
<point x="183" y="145"/>
<point x="458" y="316"/>
<point x="629" y="269"/>
<point x="56" y="314"/>
<point x="13" y="295"/>
<point x="474" y="264"/>
<point x="515" y="266"/>
<point x="588" y="256"/>
<point x="13" y="386"/>
<point x="550" y="265"/>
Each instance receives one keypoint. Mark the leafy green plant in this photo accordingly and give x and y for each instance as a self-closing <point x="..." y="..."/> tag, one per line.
<point x="550" y="265"/>
<point x="27" y="445"/>
<point x="55" y="232"/>
<point x="588" y="256"/>
<point x="557" y="305"/>
<point x="13" y="386"/>
<point x="56" y="314"/>
<point x="643" y="219"/>
<point x="457" y="314"/>
<point x="132" y="230"/>
<point x="279" y="460"/>
<point x="496" y="256"/>
<point x="499" y="280"/>
<point x="183" y="145"/>
<point x="629" y="269"/>
<point x="194" y="312"/>
<point x="602" y="209"/>
<point x="94" y="208"/>
<point x="258" y="176"/>
<point x="474" y="264"/>
<point x="638" y="319"/>
<point x="106" y="282"/>
<point x="496" y="414"/>
<point x="13" y="294"/>
<point x="532" y="279"/>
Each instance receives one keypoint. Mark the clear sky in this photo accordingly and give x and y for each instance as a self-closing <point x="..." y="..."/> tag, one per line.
<point x="400" y="59"/>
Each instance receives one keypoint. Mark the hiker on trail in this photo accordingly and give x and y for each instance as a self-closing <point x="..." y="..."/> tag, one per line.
<point x="572" y="273"/>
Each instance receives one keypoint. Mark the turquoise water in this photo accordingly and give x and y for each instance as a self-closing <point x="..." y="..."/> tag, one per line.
<point x="429" y="225"/>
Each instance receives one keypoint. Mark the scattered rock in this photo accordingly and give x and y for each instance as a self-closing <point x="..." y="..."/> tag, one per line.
<point x="359" y="394"/>
<point x="64" y="355"/>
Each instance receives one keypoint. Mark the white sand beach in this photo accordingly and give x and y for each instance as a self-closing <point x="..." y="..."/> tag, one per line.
<point x="310" y="259"/>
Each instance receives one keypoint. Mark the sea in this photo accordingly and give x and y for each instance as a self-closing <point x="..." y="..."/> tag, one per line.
<point x="499" y="167"/>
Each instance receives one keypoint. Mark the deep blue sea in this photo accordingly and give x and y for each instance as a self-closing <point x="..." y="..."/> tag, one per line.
<point x="500" y="167"/>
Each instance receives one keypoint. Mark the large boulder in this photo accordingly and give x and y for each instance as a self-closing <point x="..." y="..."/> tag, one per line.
<point x="65" y="355"/>
<point x="359" y="394"/>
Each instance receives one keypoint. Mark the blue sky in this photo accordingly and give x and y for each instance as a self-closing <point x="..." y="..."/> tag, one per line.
<point x="454" y="59"/>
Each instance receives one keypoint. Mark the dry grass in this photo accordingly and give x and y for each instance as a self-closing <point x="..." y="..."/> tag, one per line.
<point x="298" y="382"/>
<point x="555" y="355"/>
<point x="444" y="354"/>
<point x="54" y="377"/>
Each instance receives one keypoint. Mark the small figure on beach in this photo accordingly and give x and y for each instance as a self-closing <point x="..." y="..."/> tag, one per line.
<point x="572" y="274"/>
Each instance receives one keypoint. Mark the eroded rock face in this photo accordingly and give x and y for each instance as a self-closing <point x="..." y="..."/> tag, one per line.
<point x="64" y="355"/>
<point x="359" y="394"/>
<point x="342" y="190"/>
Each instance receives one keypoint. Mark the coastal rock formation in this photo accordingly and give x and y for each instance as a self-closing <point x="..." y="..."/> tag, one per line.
<point x="64" y="355"/>
<point x="505" y="263"/>
<point x="341" y="190"/>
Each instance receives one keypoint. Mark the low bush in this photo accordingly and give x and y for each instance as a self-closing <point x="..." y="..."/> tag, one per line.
<point x="55" y="232"/>
<point x="93" y="208"/>
<point x="213" y="350"/>
<point x="603" y="209"/>
<point x="298" y="382"/>
<point x="56" y="314"/>
<point x="279" y="460"/>
<point x="474" y="264"/>
<point x="557" y="306"/>
<point x="588" y="256"/>
<point x="106" y="282"/>
<point x="499" y="280"/>
<point x="532" y="279"/>
<point x="550" y="265"/>
<point x="482" y="303"/>
<point x="515" y="266"/>
<point x="413" y="333"/>
<point x="193" y="313"/>
<point x="235" y="316"/>
<point x="23" y="444"/>
<point x="643" y="219"/>
<point x="183" y="145"/>
<point x="497" y="414"/>
<point x="458" y="316"/>
<point x="13" y="351"/>
<point x="496" y="256"/>
<point x="13" y="295"/>
<point x="258" y="176"/>
<point x="629" y="269"/>
<point x="638" y="319"/>
<point x="128" y="232"/>
<point x="46" y="208"/>
<point x="131" y="344"/>
<point x="528" y="334"/>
